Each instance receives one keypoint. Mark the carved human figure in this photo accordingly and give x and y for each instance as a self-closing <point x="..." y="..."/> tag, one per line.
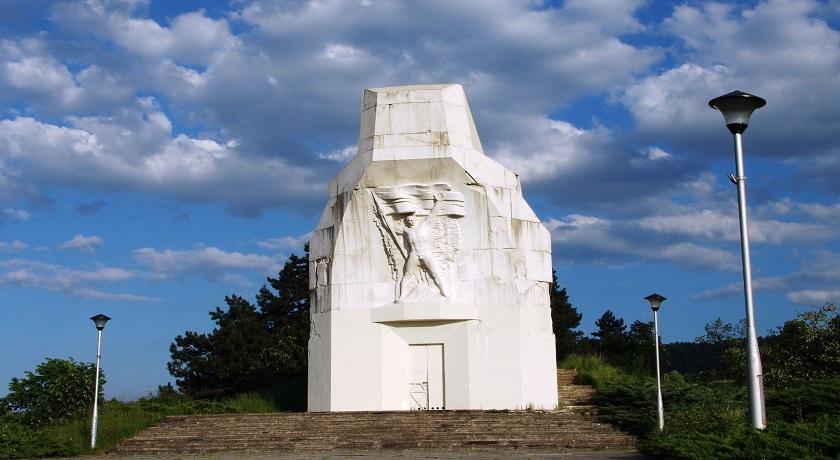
<point x="321" y="272"/>
<point x="418" y="255"/>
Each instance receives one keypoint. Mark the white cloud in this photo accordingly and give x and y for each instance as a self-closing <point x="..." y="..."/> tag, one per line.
<point x="191" y="37"/>
<point x="778" y="49"/>
<point x="588" y="239"/>
<point x="256" y="88"/>
<point x="814" y="282"/>
<point x="656" y="153"/>
<point x="790" y="207"/>
<point x="104" y="156"/>
<point x="342" y="155"/>
<point x="209" y="262"/>
<point x="42" y="78"/>
<point x="17" y="214"/>
<point x="32" y="274"/>
<point x="676" y="100"/>
<point x="285" y="243"/>
<point x="342" y="53"/>
<point x="12" y="246"/>
<point x="546" y="149"/>
<point x="716" y="225"/>
<point x="82" y="243"/>
<point x="814" y="296"/>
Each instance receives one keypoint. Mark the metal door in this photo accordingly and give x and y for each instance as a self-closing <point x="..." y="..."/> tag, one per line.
<point x="425" y="377"/>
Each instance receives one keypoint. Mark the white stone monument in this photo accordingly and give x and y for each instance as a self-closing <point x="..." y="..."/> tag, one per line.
<point x="429" y="274"/>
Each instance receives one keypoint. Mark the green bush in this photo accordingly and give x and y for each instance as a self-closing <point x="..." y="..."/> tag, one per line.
<point x="59" y="389"/>
<point x="24" y="441"/>
<point x="710" y="420"/>
<point x="629" y="403"/>
<point x="804" y="402"/>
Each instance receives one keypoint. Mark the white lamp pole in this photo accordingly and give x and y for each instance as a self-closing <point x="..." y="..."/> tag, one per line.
<point x="99" y="320"/>
<point x="655" y="301"/>
<point x="736" y="108"/>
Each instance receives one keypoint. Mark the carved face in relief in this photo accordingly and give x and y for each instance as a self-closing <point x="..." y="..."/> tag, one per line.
<point x="410" y="222"/>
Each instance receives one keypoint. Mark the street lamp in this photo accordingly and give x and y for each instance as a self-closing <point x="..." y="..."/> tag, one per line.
<point x="655" y="302"/>
<point x="736" y="108"/>
<point x="99" y="320"/>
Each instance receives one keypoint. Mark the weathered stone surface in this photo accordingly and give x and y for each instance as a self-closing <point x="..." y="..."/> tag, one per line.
<point x="430" y="272"/>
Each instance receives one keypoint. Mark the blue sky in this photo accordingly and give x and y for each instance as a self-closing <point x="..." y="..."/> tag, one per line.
<point x="156" y="156"/>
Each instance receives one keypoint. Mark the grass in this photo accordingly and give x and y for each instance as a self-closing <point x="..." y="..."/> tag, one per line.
<point x="117" y="421"/>
<point x="591" y="369"/>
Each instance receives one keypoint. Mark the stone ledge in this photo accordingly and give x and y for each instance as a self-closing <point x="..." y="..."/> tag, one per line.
<point x="415" y="311"/>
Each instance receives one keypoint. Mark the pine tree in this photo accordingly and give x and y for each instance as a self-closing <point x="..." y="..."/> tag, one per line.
<point x="564" y="320"/>
<point x="612" y="338"/>
<point x="250" y="348"/>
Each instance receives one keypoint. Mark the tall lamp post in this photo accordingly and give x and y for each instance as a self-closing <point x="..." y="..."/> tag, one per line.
<point x="736" y="108"/>
<point x="99" y="320"/>
<point x="655" y="301"/>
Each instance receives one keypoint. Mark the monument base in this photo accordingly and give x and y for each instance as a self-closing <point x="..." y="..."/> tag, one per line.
<point x="404" y="357"/>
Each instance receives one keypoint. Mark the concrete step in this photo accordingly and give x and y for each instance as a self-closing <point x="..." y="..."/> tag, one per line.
<point x="572" y="427"/>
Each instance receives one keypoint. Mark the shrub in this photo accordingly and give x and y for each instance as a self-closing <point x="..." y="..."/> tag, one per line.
<point x="59" y="389"/>
<point x="22" y="441"/>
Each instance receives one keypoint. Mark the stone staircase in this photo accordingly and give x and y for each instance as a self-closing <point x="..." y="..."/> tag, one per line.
<point x="573" y="397"/>
<point x="571" y="428"/>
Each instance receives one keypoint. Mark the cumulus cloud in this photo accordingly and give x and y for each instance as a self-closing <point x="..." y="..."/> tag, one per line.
<point x="716" y="225"/>
<point x="210" y="262"/>
<point x="589" y="239"/>
<point x="82" y="243"/>
<point x="778" y="49"/>
<point x="102" y="157"/>
<point x="191" y="38"/>
<point x="41" y="78"/>
<point x="255" y="88"/>
<point x="789" y="207"/>
<point x="33" y="274"/>
<point x="814" y="282"/>
<point x="285" y="243"/>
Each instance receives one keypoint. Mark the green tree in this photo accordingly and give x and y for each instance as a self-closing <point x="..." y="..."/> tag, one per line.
<point x="564" y="320"/>
<point x="228" y="359"/>
<point x="611" y="337"/>
<point x="251" y="347"/>
<point x="721" y="332"/>
<point x="59" y="389"/>
<point x="724" y="349"/>
<point x="804" y="349"/>
<point x="287" y="316"/>
<point x="640" y="354"/>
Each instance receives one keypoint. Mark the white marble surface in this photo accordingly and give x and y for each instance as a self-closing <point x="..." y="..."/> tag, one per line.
<point x="479" y="286"/>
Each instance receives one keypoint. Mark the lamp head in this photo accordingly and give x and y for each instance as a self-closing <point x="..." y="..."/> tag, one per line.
<point x="655" y="301"/>
<point x="736" y="108"/>
<point x="100" y="321"/>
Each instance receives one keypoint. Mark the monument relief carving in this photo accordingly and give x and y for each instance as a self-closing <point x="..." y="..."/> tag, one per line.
<point x="421" y="237"/>
<point x="320" y="282"/>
